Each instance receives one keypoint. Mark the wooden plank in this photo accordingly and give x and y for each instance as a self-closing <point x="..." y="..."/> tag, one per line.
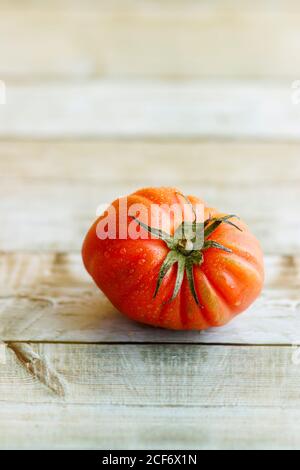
<point x="149" y="396"/>
<point x="147" y="5"/>
<point x="137" y="161"/>
<point x="122" y="39"/>
<point x="114" y="428"/>
<point x="90" y="427"/>
<point x="200" y="397"/>
<point x="151" y="375"/>
<point x="51" y="190"/>
<point x="49" y="297"/>
<point x="189" y="109"/>
<point x="55" y="215"/>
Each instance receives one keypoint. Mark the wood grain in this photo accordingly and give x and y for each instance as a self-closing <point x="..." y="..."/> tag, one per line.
<point x="152" y="397"/>
<point x="48" y="216"/>
<point x="168" y="162"/>
<point x="152" y="375"/>
<point x="38" y="367"/>
<point x="189" y="109"/>
<point x="89" y="427"/>
<point x="49" y="297"/>
<point x="50" y="191"/>
<point x="179" y="87"/>
<point x="133" y="38"/>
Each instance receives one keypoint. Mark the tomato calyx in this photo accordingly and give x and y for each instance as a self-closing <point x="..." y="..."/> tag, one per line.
<point x="187" y="247"/>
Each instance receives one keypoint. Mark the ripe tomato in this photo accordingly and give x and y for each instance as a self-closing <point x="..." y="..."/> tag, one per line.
<point x="176" y="282"/>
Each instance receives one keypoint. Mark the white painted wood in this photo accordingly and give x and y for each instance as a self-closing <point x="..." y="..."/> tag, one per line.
<point x="167" y="162"/>
<point x="94" y="427"/>
<point x="151" y="375"/>
<point x="134" y="38"/>
<point x="146" y="5"/>
<point x="228" y="109"/>
<point x="50" y="191"/>
<point x="149" y="397"/>
<point x="137" y="395"/>
<point x="50" y="298"/>
<point x="35" y="364"/>
<point x="55" y="215"/>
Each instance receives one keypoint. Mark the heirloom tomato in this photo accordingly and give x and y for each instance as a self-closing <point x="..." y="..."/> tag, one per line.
<point x="196" y="272"/>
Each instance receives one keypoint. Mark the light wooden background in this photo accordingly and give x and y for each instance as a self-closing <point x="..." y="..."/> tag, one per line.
<point x="104" y="97"/>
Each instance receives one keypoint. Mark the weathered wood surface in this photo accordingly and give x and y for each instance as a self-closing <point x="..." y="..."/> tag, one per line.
<point x="134" y="38"/>
<point x="52" y="216"/>
<point x="207" y="108"/>
<point x="49" y="195"/>
<point x="68" y="68"/>
<point x="151" y="397"/>
<point x="49" y="297"/>
<point x="166" y="161"/>
<point x="93" y="427"/>
<point x="50" y="191"/>
<point x="151" y="375"/>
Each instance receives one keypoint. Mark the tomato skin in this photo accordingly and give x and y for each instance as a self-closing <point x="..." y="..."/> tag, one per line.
<point x="126" y="271"/>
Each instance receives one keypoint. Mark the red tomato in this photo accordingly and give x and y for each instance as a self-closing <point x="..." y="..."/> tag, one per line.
<point x="170" y="281"/>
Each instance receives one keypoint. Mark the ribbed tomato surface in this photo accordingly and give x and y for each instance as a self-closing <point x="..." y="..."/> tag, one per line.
<point x="127" y="271"/>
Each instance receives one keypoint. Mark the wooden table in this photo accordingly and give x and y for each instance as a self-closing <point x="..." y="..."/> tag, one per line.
<point x="104" y="97"/>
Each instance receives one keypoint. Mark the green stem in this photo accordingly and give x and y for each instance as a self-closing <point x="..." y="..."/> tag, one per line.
<point x="190" y="241"/>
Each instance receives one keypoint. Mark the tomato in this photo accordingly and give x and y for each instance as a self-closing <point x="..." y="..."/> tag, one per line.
<point x="167" y="277"/>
